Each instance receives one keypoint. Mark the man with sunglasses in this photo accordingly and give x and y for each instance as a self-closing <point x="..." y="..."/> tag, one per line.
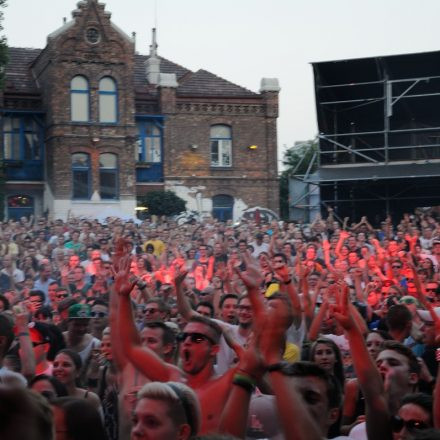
<point x="40" y="338"/>
<point x="199" y="345"/>
<point x="155" y="310"/>
<point x="414" y="415"/>
<point x="99" y="313"/>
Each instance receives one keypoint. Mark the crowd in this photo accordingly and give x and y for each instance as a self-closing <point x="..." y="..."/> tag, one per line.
<point x="211" y="330"/>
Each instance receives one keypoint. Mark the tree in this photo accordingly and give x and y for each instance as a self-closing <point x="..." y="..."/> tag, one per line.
<point x="298" y="162"/>
<point x="162" y="203"/>
<point x="3" y="62"/>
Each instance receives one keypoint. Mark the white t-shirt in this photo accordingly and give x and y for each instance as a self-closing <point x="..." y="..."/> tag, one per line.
<point x="225" y="355"/>
<point x="359" y="432"/>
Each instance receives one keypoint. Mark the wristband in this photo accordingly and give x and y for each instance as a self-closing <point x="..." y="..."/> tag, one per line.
<point x="278" y="366"/>
<point x="23" y="334"/>
<point x="244" y="382"/>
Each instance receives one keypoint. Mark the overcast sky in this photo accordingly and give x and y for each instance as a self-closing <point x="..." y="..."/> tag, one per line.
<point x="245" y="40"/>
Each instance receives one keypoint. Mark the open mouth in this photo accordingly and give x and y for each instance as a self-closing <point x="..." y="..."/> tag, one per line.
<point x="186" y="356"/>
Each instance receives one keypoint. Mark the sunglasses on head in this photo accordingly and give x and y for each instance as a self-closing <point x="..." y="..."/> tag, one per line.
<point x="196" y="338"/>
<point x="397" y="424"/>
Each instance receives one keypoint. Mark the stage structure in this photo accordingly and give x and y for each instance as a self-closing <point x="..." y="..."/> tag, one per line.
<point x="379" y="134"/>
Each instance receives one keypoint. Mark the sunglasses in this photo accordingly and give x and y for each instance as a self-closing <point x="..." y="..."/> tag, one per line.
<point x="396" y="267"/>
<point x="98" y="314"/>
<point x="397" y="424"/>
<point x="407" y="301"/>
<point x="36" y="344"/>
<point x="196" y="338"/>
<point x="63" y="295"/>
<point x="148" y="311"/>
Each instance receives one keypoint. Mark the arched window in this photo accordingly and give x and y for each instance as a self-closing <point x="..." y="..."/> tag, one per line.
<point x="221" y="146"/>
<point x="222" y="207"/>
<point x="108" y="100"/>
<point x="108" y="176"/>
<point x="79" y="99"/>
<point x="81" y="176"/>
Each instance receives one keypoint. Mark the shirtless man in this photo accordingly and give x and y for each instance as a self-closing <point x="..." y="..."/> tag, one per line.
<point x="197" y="350"/>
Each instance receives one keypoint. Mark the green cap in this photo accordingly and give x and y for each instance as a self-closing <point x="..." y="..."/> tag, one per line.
<point x="78" y="311"/>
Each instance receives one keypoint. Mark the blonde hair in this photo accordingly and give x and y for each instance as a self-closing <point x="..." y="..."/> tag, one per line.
<point x="183" y="403"/>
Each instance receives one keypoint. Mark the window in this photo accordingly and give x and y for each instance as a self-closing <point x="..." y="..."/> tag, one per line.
<point x="80" y="176"/>
<point x="108" y="100"/>
<point x="22" y="138"/>
<point x="222" y="207"/>
<point x="79" y="99"/>
<point x="149" y="145"/>
<point x="20" y="205"/>
<point x="108" y="176"/>
<point x="92" y="35"/>
<point x="221" y="146"/>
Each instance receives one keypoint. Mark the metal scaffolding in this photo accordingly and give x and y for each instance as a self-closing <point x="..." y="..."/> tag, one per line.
<point x="379" y="125"/>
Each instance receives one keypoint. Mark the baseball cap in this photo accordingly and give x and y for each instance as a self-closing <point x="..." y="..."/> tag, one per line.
<point x="79" y="311"/>
<point x="65" y="304"/>
<point x="263" y="422"/>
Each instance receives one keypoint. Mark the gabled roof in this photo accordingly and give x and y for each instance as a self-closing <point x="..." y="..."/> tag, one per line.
<point x="18" y="74"/>
<point x="201" y="83"/>
<point x="204" y="83"/>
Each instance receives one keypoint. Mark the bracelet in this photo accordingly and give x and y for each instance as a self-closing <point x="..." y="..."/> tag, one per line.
<point x="244" y="382"/>
<point x="241" y="374"/>
<point x="92" y="382"/>
<point x="278" y="366"/>
<point x="23" y="334"/>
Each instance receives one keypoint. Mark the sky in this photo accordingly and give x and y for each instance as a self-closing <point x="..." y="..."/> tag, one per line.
<point x="246" y="40"/>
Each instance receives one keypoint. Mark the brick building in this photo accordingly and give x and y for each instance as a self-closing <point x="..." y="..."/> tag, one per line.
<point x="88" y="125"/>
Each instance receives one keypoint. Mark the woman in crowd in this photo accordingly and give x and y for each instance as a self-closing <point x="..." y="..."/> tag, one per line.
<point x="66" y="368"/>
<point x="48" y="386"/>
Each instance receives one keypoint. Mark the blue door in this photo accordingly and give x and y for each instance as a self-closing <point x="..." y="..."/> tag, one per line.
<point x="222" y="207"/>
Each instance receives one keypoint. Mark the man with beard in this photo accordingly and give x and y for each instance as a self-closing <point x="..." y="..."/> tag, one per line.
<point x="199" y="345"/>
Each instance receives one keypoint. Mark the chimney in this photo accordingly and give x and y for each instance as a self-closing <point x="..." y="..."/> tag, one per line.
<point x="152" y="65"/>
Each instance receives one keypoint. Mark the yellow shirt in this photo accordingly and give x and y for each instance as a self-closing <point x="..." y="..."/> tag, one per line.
<point x="159" y="246"/>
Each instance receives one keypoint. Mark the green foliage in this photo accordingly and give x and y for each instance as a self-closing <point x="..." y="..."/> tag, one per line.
<point x="296" y="160"/>
<point x="162" y="203"/>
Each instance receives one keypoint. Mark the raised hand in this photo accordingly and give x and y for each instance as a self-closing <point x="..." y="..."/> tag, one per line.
<point x="180" y="275"/>
<point x="124" y="281"/>
<point x="341" y="310"/>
